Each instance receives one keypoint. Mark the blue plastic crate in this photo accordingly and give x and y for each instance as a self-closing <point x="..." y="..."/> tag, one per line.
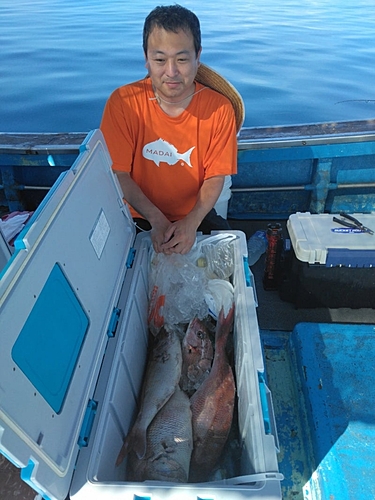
<point x="335" y="364"/>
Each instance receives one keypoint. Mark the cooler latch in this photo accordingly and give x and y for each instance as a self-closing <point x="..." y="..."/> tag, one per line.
<point x="130" y="259"/>
<point x="249" y="279"/>
<point x="113" y="322"/>
<point x="264" y="403"/>
<point x="267" y="409"/>
<point x="88" y="422"/>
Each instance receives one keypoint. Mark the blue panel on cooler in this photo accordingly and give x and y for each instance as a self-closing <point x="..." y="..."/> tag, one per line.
<point x="49" y="344"/>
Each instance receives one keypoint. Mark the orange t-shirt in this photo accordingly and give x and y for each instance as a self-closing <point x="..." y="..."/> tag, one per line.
<point x="170" y="157"/>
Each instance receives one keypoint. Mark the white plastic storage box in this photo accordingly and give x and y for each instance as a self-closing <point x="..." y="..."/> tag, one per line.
<point x="73" y="314"/>
<point x="331" y="265"/>
<point x="318" y="239"/>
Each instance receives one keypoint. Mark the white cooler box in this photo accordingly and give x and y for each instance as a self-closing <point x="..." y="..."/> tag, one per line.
<point x="73" y="323"/>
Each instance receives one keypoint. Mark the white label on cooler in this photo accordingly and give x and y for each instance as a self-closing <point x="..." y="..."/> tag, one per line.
<point x="99" y="234"/>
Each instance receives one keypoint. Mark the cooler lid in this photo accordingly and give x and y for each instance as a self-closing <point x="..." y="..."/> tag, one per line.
<point x="58" y="297"/>
<point x="316" y="238"/>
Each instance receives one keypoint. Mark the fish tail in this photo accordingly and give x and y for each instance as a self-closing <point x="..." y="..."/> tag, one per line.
<point x="123" y="452"/>
<point x="136" y="441"/>
<point x="186" y="157"/>
<point x="139" y="443"/>
<point x="224" y="325"/>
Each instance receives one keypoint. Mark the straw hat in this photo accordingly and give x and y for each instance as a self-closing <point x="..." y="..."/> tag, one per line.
<point x="210" y="78"/>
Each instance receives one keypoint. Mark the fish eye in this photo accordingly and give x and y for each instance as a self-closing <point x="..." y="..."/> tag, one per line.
<point x="200" y="334"/>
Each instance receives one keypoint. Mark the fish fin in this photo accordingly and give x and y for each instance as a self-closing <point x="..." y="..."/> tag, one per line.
<point x="224" y="325"/>
<point x="230" y="316"/>
<point x="139" y="443"/>
<point x="134" y="441"/>
<point x="186" y="156"/>
<point x="226" y="321"/>
<point x="123" y="452"/>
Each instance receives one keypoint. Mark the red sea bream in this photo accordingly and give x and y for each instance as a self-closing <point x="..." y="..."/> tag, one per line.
<point x="212" y="406"/>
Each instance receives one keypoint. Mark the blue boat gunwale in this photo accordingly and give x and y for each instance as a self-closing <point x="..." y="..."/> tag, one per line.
<point x="306" y="134"/>
<point x="248" y="137"/>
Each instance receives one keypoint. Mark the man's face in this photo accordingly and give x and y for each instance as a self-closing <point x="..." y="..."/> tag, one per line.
<point x="172" y="63"/>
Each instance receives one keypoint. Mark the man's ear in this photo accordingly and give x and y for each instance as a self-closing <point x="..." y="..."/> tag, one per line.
<point x="199" y="56"/>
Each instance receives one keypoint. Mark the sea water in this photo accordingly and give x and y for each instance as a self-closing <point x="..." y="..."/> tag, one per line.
<point x="293" y="62"/>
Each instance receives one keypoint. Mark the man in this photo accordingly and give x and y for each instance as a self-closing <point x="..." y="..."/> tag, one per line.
<point x="172" y="140"/>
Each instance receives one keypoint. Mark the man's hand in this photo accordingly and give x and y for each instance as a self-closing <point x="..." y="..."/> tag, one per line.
<point x="137" y="199"/>
<point x="158" y="234"/>
<point x="179" y="237"/>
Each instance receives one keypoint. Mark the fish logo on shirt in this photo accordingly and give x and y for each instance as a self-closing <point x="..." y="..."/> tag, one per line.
<point x="161" y="151"/>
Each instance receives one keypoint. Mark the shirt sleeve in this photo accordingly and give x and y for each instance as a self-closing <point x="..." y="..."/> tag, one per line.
<point x="221" y="157"/>
<point x="118" y="133"/>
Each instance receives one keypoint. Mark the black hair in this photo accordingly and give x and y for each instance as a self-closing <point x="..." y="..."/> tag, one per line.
<point x="173" y="18"/>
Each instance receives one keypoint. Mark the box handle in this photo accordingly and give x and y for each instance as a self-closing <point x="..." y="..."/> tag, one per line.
<point x="267" y="409"/>
<point x="112" y="327"/>
<point x="250" y="479"/>
<point x="249" y="279"/>
<point x="130" y="258"/>
<point x="88" y="422"/>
